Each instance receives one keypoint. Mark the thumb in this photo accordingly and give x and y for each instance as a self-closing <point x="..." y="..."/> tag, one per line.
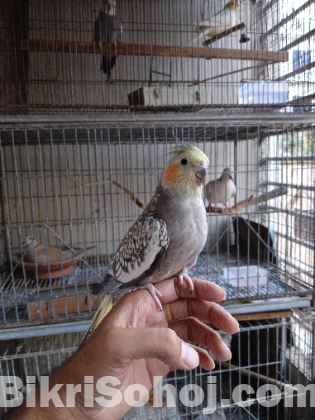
<point x="153" y="343"/>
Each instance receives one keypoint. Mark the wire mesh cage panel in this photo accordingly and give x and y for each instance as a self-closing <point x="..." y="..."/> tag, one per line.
<point x="78" y="187"/>
<point x="274" y="353"/>
<point x="99" y="56"/>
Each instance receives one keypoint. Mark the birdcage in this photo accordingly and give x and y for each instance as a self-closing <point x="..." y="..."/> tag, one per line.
<point x="267" y="354"/>
<point x="80" y="185"/>
<point x="76" y="183"/>
<point x="104" y="56"/>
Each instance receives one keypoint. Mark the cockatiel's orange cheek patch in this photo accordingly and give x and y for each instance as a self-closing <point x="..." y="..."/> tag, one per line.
<point x="171" y="173"/>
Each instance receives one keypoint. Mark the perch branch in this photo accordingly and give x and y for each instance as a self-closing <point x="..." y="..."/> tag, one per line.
<point x="131" y="196"/>
<point x="223" y="34"/>
<point x="76" y="47"/>
<point x="263" y="378"/>
<point x="252" y="201"/>
<point x="197" y="82"/>
<point x="89" y="184"/>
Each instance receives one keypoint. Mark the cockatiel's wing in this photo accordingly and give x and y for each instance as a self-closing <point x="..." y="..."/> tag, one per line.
<point x="139" y="255"/>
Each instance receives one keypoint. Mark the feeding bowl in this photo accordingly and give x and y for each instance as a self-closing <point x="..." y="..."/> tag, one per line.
<point x="51" y="271"/>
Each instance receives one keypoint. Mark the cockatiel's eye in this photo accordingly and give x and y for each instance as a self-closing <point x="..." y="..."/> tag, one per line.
<point x="183" y="161"/>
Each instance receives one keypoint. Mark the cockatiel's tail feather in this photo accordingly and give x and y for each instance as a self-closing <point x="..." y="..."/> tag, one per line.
<point x="105" y="307"/>
<point x="109" y="285"/>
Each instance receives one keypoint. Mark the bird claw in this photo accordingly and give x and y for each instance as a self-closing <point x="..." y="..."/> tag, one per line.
<point x="181" y="277"/>
<point x="154" y="293"/>
<point x="209" y="209"/>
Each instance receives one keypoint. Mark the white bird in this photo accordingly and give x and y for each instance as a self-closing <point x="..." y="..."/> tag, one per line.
<point x="46" y="255"/>
<point x="220" y="22"/>
<point x="221" y="190"/>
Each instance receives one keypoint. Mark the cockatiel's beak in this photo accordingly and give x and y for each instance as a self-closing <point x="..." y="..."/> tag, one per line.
<point x="201" y="175"/>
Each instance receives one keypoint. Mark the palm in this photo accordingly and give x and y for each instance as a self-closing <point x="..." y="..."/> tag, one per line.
<point x="145" y="315"/>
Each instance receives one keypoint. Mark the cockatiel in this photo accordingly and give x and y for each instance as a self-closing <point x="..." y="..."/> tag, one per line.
<point x="221" y="190"/>
<point x="165" y="241"/>
<point x="220" y="22"/>
<point x="108" y="30"/>
<point x="48" y="254"/>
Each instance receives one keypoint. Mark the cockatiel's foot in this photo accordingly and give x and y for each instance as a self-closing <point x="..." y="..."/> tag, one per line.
<point x="181" y="277"/>
<point x="154" y="293"/>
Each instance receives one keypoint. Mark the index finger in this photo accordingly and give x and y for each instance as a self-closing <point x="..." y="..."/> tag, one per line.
<point x="203" y="289"/>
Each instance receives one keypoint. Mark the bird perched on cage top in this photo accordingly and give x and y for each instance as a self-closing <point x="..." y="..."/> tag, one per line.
<point x="221" y="190"/>
<point x="166" y="239"/>
<point x="108" y="30"/>
<point x="45" y="255"/>
<point x="220" y="22"/>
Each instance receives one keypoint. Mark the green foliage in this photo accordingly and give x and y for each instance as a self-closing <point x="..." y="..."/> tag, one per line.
<point x="298" y="143"/>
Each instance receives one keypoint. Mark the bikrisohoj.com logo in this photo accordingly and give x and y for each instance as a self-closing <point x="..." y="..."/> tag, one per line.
<point x="105" y="392"/>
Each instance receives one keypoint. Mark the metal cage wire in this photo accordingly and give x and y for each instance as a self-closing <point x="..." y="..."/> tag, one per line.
<point x="77" y="185"/>
<point x="264" y="352"/>
<point x="79" y="182"/>
<point x="259" y="56"/>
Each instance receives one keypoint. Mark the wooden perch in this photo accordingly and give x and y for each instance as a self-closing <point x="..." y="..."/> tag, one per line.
<point x="198" y="82"/>
<point x="263" y="378"/>
<point x="41" y="45"/>
<point x="131" y="197"/>
<point x="252" y="201"/>
<point x="223" y="34"/>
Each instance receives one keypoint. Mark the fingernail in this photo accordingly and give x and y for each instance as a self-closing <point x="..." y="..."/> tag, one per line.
<point x="189" y="356"/>
<point x="224" y="295"/>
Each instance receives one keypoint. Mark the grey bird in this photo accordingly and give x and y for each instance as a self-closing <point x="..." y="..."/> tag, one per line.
<point x="221" y="190"/>
<point x="108" y="30"/>
<point x="166" y="239"/>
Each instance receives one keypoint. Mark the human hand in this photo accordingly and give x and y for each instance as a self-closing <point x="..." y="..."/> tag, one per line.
<point x="135" y="342"/>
